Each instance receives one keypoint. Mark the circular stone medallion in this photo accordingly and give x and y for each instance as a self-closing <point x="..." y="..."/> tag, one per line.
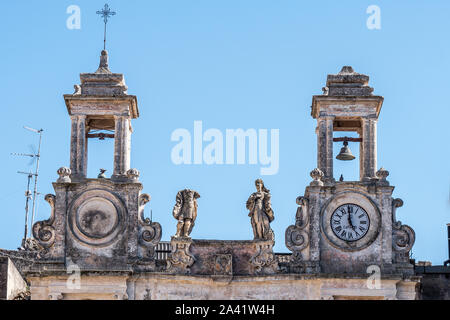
<point x="95" y="217"/>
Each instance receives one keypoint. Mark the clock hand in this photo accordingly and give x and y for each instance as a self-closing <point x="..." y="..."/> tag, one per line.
<point x="351" y="218"/>
<point x="350" y="221"/>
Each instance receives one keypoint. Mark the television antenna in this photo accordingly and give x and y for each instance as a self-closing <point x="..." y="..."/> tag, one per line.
<point x="27" y="199"/>
<point x="35" y="157"/>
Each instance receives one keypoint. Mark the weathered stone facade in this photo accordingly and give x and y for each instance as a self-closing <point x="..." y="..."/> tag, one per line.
<point x="97" y="243"/>
<point x="12" y="285"/>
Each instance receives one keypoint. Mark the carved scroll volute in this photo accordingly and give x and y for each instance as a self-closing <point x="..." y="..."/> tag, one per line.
<point x="297" y="236"/>
<point x="149" y="231"/>
<point x="396" y="203"/>
<point x="403" y="236"/>
<point x="44" y="231"/>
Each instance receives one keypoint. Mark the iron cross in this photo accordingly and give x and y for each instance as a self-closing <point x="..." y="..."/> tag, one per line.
<point x="105" y="13"/>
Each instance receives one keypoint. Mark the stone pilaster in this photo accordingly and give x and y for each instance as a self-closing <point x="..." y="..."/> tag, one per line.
<point x="313" y="194"/>
<point x="325" y="147"/>
<point x="368" y="155"/>
<point x="78" y="154"/>
<point x="122" y="144"/>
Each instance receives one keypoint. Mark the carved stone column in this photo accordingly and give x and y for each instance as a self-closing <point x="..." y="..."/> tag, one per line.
<point x="325" y="146"/>
<point x="78" y="146"/>
<point x="368" y="149"/>
<point x="122" y="144"/>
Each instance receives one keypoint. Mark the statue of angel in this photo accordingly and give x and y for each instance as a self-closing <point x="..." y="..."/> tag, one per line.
<point x="261" y="212"/>
<point x="185" y="211"/>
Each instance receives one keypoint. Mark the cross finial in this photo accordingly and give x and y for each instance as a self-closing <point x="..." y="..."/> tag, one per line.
<point x="105" y="13"/>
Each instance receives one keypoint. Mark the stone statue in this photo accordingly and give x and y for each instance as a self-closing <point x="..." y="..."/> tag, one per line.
<point x="261" y="212"/>
<point x="185" y="211"/>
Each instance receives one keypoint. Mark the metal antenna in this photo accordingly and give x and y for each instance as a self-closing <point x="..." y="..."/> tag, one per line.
<point x="36" y="156"/>
<point x="36" y="173"/>
<point x="27" y="198"/>
<point x="105" y="13"/>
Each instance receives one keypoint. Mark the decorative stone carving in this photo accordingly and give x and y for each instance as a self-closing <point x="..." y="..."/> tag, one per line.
<point x="77" y="88"/>
<point x="403" y="236"/>
<point x="223" y="264"/>
<point x="185" y="211"/>
<point x="297" y="236"/>
<point x="264" y="261"/>
<point x="133" y="174"/>
<point x="396" y="203"/>
<point x="103" y="66"/>
<point x="317" y="176"/>
<point x="261" y="212"/>
<point x="149" y="231"/>
<point x="31" y="244"/>
<point x="181" y="259"/>
<point x="44" y="231"/>
<point x="382" y="174"/>
<point x="96" y="217"/>
<point x="64" y="175"/>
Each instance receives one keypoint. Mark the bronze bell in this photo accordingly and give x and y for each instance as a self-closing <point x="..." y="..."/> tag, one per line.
<point x="345" y="153"/>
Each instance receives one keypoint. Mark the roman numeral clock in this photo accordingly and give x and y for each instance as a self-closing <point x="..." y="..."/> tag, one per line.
<point x="347" y="226"/>
<point x="350" y="222"/>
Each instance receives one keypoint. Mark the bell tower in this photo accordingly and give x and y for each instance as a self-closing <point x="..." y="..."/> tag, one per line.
<point x="348" y="226"/>
<point x="347" y="105"/>
<point x="98" y="223"/>
<point x="101" y="103"/>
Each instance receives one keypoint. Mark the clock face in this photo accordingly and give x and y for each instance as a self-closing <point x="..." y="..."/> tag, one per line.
<point x="350" y="222"/>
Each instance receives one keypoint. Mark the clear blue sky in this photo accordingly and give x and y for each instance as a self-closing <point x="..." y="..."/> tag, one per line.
<point x="232" y="64"/>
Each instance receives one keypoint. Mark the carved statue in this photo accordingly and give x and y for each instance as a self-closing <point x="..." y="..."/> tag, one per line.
<point x="261" y="212"/>
<point x="185" y="211"/>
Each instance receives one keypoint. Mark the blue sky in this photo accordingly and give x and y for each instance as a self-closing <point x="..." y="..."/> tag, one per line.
<point x="232" y="64"/>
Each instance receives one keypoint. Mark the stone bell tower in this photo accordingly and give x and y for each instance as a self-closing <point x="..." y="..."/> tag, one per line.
<point x="101" y="103"/>
<point x="98" y="224"/>
<point x="348" y="226"/>
<point x="347" y="105"/>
